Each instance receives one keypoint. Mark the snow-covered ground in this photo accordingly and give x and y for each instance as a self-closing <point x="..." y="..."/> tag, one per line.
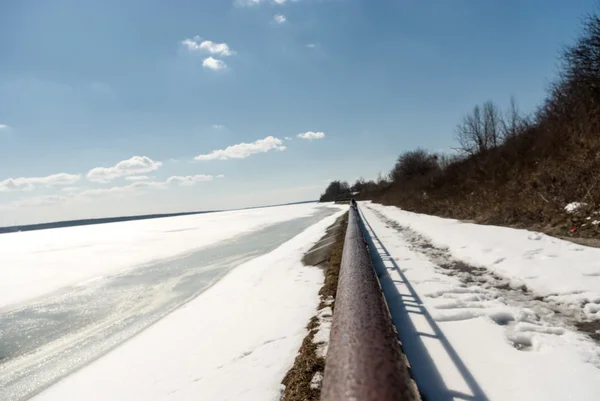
<point x="36" y="263"/>
<point x="233" y="342"/>
<point x="489" y="313"/>
<point x="104" y="293"/>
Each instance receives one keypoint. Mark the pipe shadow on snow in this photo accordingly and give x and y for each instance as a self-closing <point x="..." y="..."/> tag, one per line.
<point x="425" y="372"/>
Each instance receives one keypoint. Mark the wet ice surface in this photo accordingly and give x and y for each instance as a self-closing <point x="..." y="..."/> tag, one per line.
<point x="51" y="337"/>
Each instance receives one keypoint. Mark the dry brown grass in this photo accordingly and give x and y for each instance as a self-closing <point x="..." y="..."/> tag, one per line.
<point x="329" y="289"/>
<point x="526" y="181"/>
<point x="307" y="363"/>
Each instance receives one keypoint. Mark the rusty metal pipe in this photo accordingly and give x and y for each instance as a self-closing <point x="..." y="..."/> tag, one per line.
<point x="365" y="361"/>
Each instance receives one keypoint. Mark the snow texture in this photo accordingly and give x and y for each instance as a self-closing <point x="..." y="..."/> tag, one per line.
<point x="575" y="207"/>
<point x="37" y="263"/>
<point x="488" y="313"/>
<point x="323" y="330"/>
<point x="235" y="341"/>
<point x="317" y="381"/>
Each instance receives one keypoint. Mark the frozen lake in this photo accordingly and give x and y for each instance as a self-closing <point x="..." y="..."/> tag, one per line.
<point x="48" y="337"/>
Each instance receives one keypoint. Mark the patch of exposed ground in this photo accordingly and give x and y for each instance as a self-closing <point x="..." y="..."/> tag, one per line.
<point x="303" y="381"/>
<point x="591" y="242"/>
<point x="541" y="314"/>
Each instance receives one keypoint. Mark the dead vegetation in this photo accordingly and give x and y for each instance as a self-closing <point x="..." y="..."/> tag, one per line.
<point x="297" y="381"/>
<point x="512" y="169"/>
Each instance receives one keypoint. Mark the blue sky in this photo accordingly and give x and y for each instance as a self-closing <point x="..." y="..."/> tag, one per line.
<point x="93" y="93"/>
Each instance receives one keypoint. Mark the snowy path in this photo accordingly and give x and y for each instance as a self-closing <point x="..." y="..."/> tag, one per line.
<point x="489" y="313"/>
<point x="48" y="338"/>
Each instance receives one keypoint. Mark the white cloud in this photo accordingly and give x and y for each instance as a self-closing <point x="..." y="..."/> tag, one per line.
<point x="147" y="184"/>
<point x="311" y="135"/>
<point x="45" y="200"/>
<point x="311" y="45"/>
<point x="192" y="44"/>
<point x="243" y="150"/>
<point x="247" y="3"/>
<point x="134" y="166"/>
<point x="140" y="186"/>
<point x="137" y="187"/>
<point x="138" y="178"/>
<point x="250" y="3"/>
<point x="279" y="18"/>
<point x="207" y="46"/>
<point x="4" y="126"/>
<point x="70" y="189"/>
<point x="287" y="138"/>
<point x="213" y="64"/>
<point x="16" y="184"/>
<point x="189" y="180"/>
<point x="222" y="49"/>
<point x="124" y="189"/>
<point x="30" y="183"/>
<point x="218" y="126"/>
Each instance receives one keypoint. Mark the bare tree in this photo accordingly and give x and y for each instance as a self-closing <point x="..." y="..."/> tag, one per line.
<point x="492" y="125"/>
<point x="469" y="132"/>
<point x="481" y="130"/>
<point x="513" y="122"/>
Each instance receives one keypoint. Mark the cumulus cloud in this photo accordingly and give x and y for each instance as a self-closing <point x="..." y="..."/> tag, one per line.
<point x="147" y="185"/>
<point x="4" y="126"/>
<point x="138" y="178"/>
<point x="279" y="18"/>
<point x="207" y="46"/>
<point x="135" y="166"/>
<point x="287" y="138"/>
<point x="16" y="184"/>
<point x="213" y="64"/>
<point x="243" y="150"/>
<point x="70" y="189"/>
<point x="247" y="3"/>
<point x="30" y="183"/>
<point x="311" y="135"/>
<point x="189" y="180"/>
<point x="192" y="44"/>
<point x="250" y="3"/>
<point x="222" y="49"/>
<point x="220" y="176"/>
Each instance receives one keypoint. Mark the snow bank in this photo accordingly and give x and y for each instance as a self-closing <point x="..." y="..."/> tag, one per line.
<point x="235" y="341"/>
<point x="470" y="341"/>
<point x="546" y="265"/>
<point x="35" y="263"/>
